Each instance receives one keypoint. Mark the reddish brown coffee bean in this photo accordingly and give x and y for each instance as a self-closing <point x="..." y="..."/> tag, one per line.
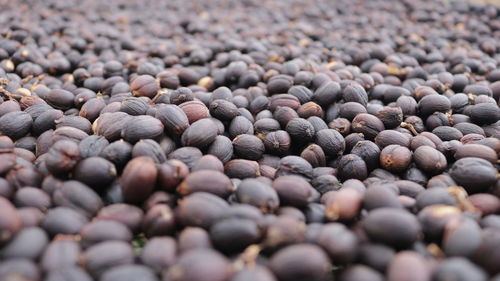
<point x="138" y="179"/>
<point x="242" y="168"/>
<point x="430" y="160"/>
<point x="194" y="110"/>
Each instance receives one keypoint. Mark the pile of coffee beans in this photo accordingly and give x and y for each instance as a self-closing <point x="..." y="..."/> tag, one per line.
<point x="249" y="140"/>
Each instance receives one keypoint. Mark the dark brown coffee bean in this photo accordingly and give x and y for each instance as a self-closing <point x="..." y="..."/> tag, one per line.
<point x="476" y="150"/>
<point x="484" y="113"/>
<point x="173" y="118"/>
<point x="234" y="234"/>
<point x="376" y="256"/>
<point x="32" y="197"/>
<point x="453" y="245"/>
<point x="62" y="157"/>
<point x="138" y="179"/>
<point x="447" y="133"/>
<point x="194" y="110"/>
<point x="193" y="238"/>
<point x="248" y="146"/>
<point x="288" y="263"/>
<point x="103" y="230"/>
<point x="388" y="137"/>
<point x="367" y="124"/>
<point x="92" y="146"/>
<point x="240" y="125"/>
<point x="159" y="253"/>
<point x="294" y="165"/>
<point x="369" y="152"/>
<point x="134" y="106"/>
<point x="46" y="121"/>
<point x="325" y="183"/>
<point x="258" y="194"/>
<point x="110" y="125"/>
<point x="408" y="263"/>
<point x="331" y="142"/>
<point x="327" y="93"/>
<point x="198" y="265"/>
<point x="15" y="124"/>
<point x="277" y="142"/>
<point x="381" y="196"/>
<point x="200" y="134"/>
<point x="187" y="155"/>
<point x="158" y="221"/>
<point x="118" y="152"/>
<point x="393" y="227"/>
<point x="144" y="86"/>
<point x="60" y="254"/>
<point x="79" y="197"/>
<point x="200" y="209"/>
<point x="100" y="257"/>
<point x="265" y="126"/>
<point x="129" y="215"/>
<point x="21" y="176"/>
<point x="300" y="130"/>
<point x="317" y="123"/>
<point x="171" y="173"/>
<point x="63" y="220"/>
<point x="242" y="168"/>
<point x="294" y="191"/>
<point x="284" y="114"/>
<point x="149" y="148"/>
<point x="395" y="158"/>
<point x="474" y="174"/>
<point x="418" y="141"/>
<point x="207" y="181"/>
<point x="349" y="110"/>
<point x="96" y="172"/>
<point x="60" y="99"/>
<point x="338" y="241"/>
<point x="430" y="160"/>
<point x="351" y="166"/>
<point x="74" y="122"/>
<point x="141" y="127"/>
<point x="458" y="267"/>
